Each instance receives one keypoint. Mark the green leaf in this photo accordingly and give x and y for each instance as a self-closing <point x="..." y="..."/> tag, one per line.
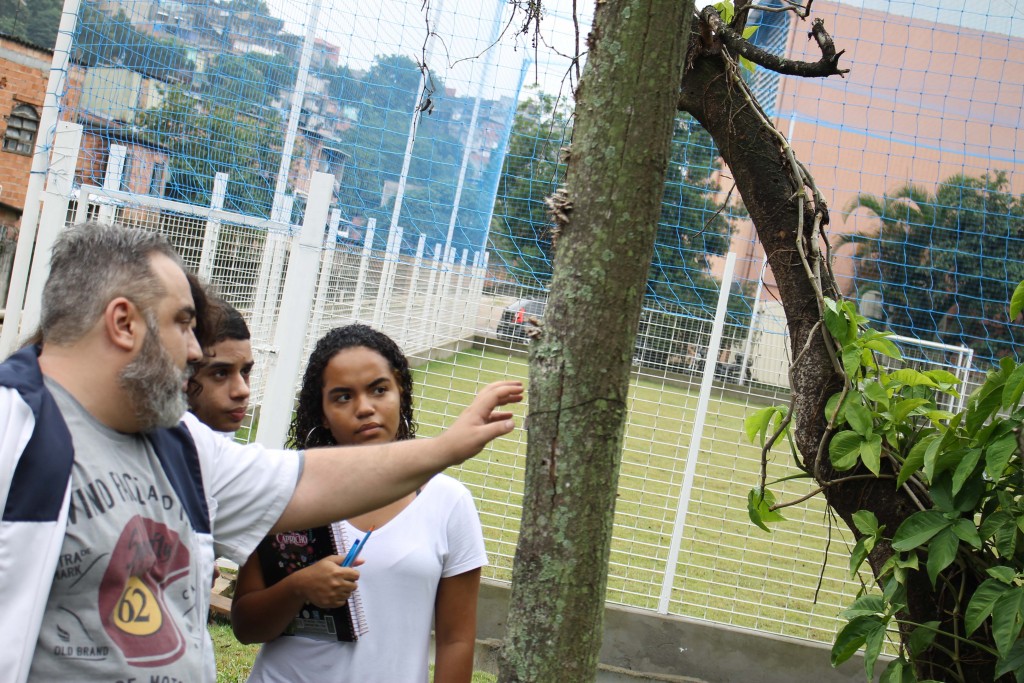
<point x="898" y="671"/>
<point x="982" y="602"/>
<point x="759" y="508"/>
<point x="873" y="648"/>
<point x="915" y="459"/>
<point x="749" y="31"/>
<point x="911" y="378"/>
<point x="843" y="450"/>
<point x="1006" y="539"/>
<point x="942" y="493"/>
<point x="871" y="453"/>
<point x="725" y="10"/>
<point x="1013" y="661"/>
<point x="997" y="455"/>
<point x="851" y="361"/>
<point x="965" y="467"/>
<point x="989" y="401"/>
<point x="967" y="532"/>
<point x="859" y="554"/>
<point x="937" y="417"/>
<point x="1017" y="301"/>
<point x="918" y="529"/>
<point x="863" y="606"/>
<point x="991" y="524"/>
<point x="834" y="412"/>
<point x="901" y="410"/>
<point x="922" y="637"/>
<point x="1006" y="619"/>
<point x="853" y="636"/>
<point x="941" y="552"/>
<point x="943" y="377"/>
<point x="884" y="347"/>
<point x="757" y="423"/>
<point x="876" y="392"/>
<point x="859" y="418"/>
<point x="1014" y="388"/>
<point x="837" y="325"/>
<point x="1002" y="573"/>
<point x="946" y="460"/>
<point x="866" y="522"/>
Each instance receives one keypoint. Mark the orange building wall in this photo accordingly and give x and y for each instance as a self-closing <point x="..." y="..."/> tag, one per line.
<point x="922" y="102"/>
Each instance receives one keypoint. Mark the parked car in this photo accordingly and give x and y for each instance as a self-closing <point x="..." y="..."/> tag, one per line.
<point x="517" y="317"/>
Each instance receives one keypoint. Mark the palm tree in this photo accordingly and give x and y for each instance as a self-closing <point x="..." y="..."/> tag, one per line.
<point x="894" y="257"/>
<point x="944" y="263"/>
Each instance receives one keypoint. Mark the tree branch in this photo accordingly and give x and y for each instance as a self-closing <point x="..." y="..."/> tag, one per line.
<point x="828" y="65"/>
<point x="827" y="484"/>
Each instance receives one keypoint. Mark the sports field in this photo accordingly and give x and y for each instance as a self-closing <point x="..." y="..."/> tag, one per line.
<point x="728" y="570"/>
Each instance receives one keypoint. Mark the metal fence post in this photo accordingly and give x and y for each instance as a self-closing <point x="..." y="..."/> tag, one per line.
<point x="56" y="83"/>
<point x="212" y="234"/>
<point x="710" y="365"/>
<point x="112" y="181"/>
<point x="387" y="277"/>
<point x="296" y="303"/>
<point x="59" y="185"/>
<point x="326" y="271"/>
<point x="410" y="298"/>
<point x="364" y="268"/>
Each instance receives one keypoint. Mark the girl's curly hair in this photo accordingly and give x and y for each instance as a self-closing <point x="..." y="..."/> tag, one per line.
<point x="307" y="429"/>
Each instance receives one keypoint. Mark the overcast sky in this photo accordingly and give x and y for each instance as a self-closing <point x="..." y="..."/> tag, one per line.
<point x="481" y="41"/>
<point x="476" y="41"/>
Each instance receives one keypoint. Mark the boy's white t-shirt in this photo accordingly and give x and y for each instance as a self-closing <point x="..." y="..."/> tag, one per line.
<point x="437" y="536"/>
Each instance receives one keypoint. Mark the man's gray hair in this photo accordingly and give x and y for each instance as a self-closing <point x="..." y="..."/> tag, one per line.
<point x="93" y="264"/>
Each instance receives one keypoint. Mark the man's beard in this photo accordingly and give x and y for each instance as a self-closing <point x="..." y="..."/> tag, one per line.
<point x="154" y="385"/>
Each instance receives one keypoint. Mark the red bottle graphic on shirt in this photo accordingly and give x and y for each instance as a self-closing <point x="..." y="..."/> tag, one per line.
<point x="147" y="558"/>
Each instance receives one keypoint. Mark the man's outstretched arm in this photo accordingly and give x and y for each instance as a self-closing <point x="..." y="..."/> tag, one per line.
<point x="338" y="483"/>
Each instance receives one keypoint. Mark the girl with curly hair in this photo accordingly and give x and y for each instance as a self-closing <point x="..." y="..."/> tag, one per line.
<point x="421" y="566"/>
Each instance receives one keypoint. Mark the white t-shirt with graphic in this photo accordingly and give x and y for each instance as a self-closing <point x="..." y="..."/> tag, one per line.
<point x="129" y="592"/>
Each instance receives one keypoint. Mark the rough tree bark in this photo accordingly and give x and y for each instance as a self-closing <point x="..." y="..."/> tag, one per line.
<point x="606" y="218"/>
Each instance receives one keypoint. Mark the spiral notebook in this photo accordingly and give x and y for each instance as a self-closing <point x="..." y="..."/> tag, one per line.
<point x="286" y="553"/>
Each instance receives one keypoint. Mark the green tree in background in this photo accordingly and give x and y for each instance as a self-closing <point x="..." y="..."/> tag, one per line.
<point x="692" y="227"/>
<point x="36" y="21"/>
<point x="520" y="227"/>
<point x="208" y="139"/>
<point x="376" y="147"/>
<point x="945" y="264"/>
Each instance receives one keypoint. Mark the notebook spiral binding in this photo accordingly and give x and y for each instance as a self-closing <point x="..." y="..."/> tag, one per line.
<point x="355" y="603"/>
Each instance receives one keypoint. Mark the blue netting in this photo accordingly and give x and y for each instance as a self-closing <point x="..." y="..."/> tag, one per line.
<point x="916" y="150"/>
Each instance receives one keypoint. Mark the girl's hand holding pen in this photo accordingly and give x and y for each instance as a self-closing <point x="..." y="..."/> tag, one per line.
<point x="326" y="584"/>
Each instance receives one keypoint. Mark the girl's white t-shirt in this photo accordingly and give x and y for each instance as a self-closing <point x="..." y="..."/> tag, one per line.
<point x="438" y="535"/>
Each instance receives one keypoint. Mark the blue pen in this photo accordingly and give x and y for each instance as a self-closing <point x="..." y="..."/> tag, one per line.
<point x="357" y="548"/>
<point x="350" y="557"/>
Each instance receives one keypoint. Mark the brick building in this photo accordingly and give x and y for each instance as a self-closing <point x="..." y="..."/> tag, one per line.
<point x="23" y="73"/>
<point x="24" y="70"/>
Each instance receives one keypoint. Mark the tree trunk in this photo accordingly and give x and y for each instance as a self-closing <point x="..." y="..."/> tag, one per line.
<point x="755" y="158"/>
<point x="606" y="220"/>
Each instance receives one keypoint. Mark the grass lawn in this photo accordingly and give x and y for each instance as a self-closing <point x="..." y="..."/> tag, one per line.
<point x="728" y="570"/>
